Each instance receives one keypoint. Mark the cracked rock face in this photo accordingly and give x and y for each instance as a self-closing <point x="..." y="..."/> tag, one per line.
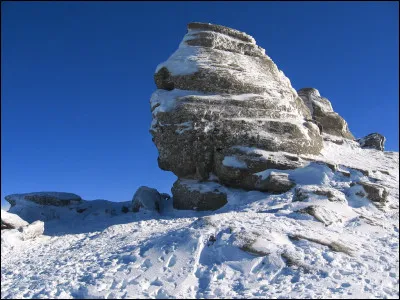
<point x="219" y="90"/>
<point x="322" y="113"/>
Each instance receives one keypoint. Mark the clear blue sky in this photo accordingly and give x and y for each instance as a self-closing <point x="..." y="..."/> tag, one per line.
<point x="77" y="79"/>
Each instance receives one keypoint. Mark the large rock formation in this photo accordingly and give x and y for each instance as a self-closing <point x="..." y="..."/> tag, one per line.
<point x="220" y="90"/>
<point x="224" y="116"/>
<point x="322" y="112"/>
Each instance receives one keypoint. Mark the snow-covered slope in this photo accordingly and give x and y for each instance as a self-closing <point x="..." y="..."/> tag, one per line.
<point x="305" y="243"/>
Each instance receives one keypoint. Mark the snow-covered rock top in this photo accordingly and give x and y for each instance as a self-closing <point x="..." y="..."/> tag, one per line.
<point x="198" y="26"/>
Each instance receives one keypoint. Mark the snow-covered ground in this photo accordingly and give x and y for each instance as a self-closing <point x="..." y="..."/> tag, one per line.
<point x="258" y="245"/>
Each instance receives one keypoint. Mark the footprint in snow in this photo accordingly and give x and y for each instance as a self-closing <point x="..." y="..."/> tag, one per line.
<point x="172" y="261"/>
<point x="127" y="259"/>
<point x="345" y="285"/>
<point x="146" y="264"/>
<point x="157" y="282"/>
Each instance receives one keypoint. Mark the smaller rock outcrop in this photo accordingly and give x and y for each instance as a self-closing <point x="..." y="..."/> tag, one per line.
<point x="45" y="198"/>
<point x="47" y="206"/>
<point x="321" y="214"/>
<point x="147" y="198"/>
<point x="305" y="192"/>
<point x="194" y="195"/>
<point x="238" y="167"/>
<point x="322" y="113"/>
<point x="374" y="192"/>
<point x="373" y="141"/>
<point x="278" y="183"/>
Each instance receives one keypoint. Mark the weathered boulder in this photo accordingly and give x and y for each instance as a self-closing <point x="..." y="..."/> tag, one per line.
<point x="277" y="183"/>
<point x="373" y="141"/>
<point x="322" y="112"/>
<point x="45" y="198"/>
<point x="194" y="195"/>
<point x="305" y="192"/>
<point x="11" y="221"/>
<point x="146" y="198"/>
<point x="220" y="90"/>
<point x="374" y="192"/>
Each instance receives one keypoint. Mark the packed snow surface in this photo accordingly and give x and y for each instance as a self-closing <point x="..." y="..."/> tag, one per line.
<point x="259" y="245"/>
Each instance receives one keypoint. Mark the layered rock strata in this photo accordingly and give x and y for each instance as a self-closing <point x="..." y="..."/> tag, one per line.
<point x="219" y="91"/>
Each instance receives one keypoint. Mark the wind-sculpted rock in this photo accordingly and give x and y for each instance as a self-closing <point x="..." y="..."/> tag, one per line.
<point x="373" y="141"/>
<point x="322" y="112"/>
<point x="220" y="90"/>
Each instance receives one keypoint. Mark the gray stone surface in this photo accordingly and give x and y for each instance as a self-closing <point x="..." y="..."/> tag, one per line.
<point x="194" y="195"/>
<point x="276" y="183"/>
<point x="147" y="198"/>
<point x="322" y="112"/>
<point x="373" y="141"/>
<point x="249" y="163"/>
